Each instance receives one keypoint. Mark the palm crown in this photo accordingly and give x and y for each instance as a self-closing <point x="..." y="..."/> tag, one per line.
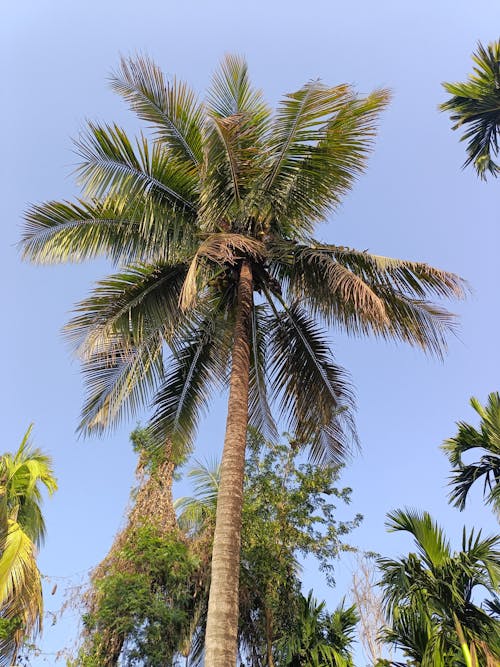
<point x="484" y="439"/>
<point x="211" y="225"/>
<point x="430" y="596"/>
<point x="474" y="105"/>
<point x="22" y="528"/>
<point x="219" y="183"/>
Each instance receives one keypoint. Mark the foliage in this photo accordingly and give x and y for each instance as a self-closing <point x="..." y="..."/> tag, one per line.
<point x="221" y="183"/>
<point x="430" y="595"/>
<point x="22" y="529"/>
<point x="475" y="106"/>
<point x="226" y="189"/>
<point x="319" y="639"/>
<point x="287" y="512"/>
<point x="486" y="438"/>
<point x="149" y="606"/>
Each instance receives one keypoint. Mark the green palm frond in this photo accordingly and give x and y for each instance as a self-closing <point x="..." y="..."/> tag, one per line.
<point x="197" y="367"/>
<point x="429" y="537"/>
<point x="22" y="475"/>
<point x="120" y="378"/>
<point x="133" y="304"/>
<point x="260" y="415"/>
<point x="120" y="230"/>
<point x="198" y="511"/>
<point x="231" y="93"/>
<point x="486" y="438"/>
<point x="475" y="107"/>
<point x="170" y="107"/>
<point x="313" y="393"/>
<point x="111" y="165"/>
<point x="235" y="136"/>
<point x="319" y="142"/>
<point x="20" y="590"/>
<point x="62" y="231"/>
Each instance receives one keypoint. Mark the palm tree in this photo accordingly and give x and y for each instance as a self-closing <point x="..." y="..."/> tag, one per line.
<point x="430" y="595"/>
<point x="319" y="639"/>
<point x="22" y="530"/>
<point x="475" y="106"/>
<point x="485" y="438"/>
<point x="210" y="223"/>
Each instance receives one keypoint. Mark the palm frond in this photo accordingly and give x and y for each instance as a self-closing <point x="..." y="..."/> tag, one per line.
<point x="170" y="107"/>
<point x="475" y="107"/>
<point x="369" y="294"/>
<point x="132" y="303"/>
<point x="20" y="587"/>
<point x="198" y="365"/>
<point x="430" y="539"/>
<point x="312" y="391"/>
<point x="63" y="231"/>
<point x="193" y="512"/>
<point x="485" y="438"/>
<point x="260" y="415"/>
<point x="221" y="249"/>
<point x="232" y="93"/>
<point x="23" y="473"/>
<point x="120" y="378"/>
<point x="319" y="143"/>
<point x="110" y="165"/>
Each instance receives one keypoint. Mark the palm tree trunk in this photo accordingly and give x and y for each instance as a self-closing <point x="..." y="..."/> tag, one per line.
<point x="222" y="622"/>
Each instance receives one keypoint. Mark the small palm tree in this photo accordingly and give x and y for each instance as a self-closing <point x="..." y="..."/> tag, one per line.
<point x="475" y="106"/>
<point x="485" y="439"/>
<point x="430" y="595"/>
<point x="22" y="530"/>
<point x="319" y="639"/>
<point x="211" y="225"/>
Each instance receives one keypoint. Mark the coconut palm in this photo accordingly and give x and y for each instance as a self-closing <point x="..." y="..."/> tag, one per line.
<point x="475" y="107"/>
<point x="210" y="223"/>
<point x="430" y="596"/>
<point x="22" y="530"/>
<point x="485" y="439"/>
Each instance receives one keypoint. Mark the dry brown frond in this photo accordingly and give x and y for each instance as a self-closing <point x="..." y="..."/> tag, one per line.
<point x="221" y="249"/>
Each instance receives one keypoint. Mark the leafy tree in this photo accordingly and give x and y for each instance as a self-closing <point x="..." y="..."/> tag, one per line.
<point x="486" y="438"/>
<point x="22" y="530"/>
<point x="287" y="512"/>
<point x="210" y="223"/>
<point x="475" y="106"/>
<point x="430" y="596"/>
<point x="143" y="597"/>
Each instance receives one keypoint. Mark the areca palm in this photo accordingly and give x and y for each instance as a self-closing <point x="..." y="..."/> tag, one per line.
<point x="475" y="106"/>
<point x="22" y="530"/>
<point x="430" y="595"/>
<point x="319" y="639"/>
<point x="485" y="438"/>
<point x="210" y="223"/>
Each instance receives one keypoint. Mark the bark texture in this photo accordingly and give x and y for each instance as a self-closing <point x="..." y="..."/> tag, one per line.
<point x="221" y="643"/>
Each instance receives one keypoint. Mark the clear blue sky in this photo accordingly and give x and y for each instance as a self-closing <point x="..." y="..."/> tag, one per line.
<point x="414" y="202"/>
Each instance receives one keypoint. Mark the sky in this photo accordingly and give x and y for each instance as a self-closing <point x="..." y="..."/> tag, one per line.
<point x="414" y="202"/>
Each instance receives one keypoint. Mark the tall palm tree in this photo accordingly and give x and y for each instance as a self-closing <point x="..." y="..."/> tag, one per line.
<point x="486" y="438"/>
<point x="430" y="596"/>
<point x="475" y="106"/>
<point x="22" y="530"/>
<point x="210" y="223"/>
